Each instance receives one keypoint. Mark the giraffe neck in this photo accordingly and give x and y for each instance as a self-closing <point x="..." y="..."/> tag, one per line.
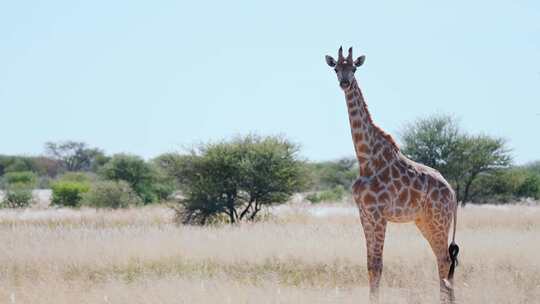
<point x="374" y="148"/>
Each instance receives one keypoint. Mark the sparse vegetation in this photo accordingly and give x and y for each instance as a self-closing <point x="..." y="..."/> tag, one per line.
<point x="478" y="166"/>
<point x="101" y="255"/>
<point x="139" y="256"/>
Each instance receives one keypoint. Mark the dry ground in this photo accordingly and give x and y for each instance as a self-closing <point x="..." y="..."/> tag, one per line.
<point x="300" y="255"/>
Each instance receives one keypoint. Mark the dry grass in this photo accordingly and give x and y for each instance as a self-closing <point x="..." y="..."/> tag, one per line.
<point x="302" y="255"/>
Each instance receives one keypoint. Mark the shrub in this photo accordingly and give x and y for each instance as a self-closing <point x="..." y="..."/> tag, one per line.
<point x="329" y="174"/>
<point x="506" y="185"/>
<point x="145" y="180"/>
<point x="335" y="194"/>
<point x="163" y="185"/>
<point x="530" y="187"/>
<point x="65" y="193"/>
<point x="18" y="189"/>
<point x="111" y="194"/>
<point x="17" y="198"/>
<point x="26" y="178"/>
<point x="78" y="177"/>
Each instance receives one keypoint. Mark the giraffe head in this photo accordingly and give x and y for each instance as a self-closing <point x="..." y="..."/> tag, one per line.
<point x="345" y="67"/>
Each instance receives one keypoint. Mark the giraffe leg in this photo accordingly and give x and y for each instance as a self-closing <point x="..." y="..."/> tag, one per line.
<point x="437" y="236"/>
<point x="374" y="230"/>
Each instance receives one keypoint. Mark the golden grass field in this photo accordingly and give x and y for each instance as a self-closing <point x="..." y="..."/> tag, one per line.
<point x="301" y="254"/>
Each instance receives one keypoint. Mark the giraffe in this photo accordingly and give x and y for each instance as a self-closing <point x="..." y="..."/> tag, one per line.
<point x="393" y="188"/>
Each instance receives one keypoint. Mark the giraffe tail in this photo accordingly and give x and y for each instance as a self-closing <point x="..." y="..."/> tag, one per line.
<point x="453" y="249"/>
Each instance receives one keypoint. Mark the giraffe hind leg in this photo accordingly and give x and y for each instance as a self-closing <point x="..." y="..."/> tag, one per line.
<point x="437" y="236"/>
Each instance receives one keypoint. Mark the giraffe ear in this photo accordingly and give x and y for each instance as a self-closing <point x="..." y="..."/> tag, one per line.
<point x="330" y="61"/>
<point x="359" y="61"/>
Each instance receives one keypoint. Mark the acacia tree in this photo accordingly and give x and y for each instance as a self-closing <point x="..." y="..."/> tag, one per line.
<point x="478" y="154"/>
<point x="434" y="142"/>
<point x="74" y="156"/>
<point x="236" y="178"/>
<point x="437" y="141"/>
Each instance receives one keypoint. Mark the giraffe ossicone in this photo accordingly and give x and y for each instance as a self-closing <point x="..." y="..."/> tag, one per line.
<point x="393" y="188"/>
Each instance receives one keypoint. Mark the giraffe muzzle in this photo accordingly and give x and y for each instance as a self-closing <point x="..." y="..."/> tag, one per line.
<point x="344" y="84"/>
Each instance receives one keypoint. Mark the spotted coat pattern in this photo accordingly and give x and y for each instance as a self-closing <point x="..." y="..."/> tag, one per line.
<point x="393" y="188"/>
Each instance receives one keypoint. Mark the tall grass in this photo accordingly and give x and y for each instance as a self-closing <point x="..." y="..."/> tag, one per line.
<point x="297" y="256"/>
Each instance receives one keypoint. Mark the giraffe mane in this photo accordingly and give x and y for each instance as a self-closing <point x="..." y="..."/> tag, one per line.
<point x="377" y="129"/>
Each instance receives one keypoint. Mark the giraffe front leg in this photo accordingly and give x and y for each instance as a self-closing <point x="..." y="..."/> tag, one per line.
<point x="374" y="230"/>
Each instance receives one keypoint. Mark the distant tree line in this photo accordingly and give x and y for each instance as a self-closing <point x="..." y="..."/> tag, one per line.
<point x="81" y="175"/>
<point x="236" y="180"/>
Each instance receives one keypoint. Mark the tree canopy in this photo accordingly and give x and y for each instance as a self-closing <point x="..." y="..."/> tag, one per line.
<point x="74" y="156"/>
<point x="237" y="178"/>
<point x="438" y="142"/>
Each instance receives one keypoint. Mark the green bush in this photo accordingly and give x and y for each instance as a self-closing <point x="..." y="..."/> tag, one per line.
<point x="65" y="193"/>
<point x="335" y="194"/>
<point x="530" y="187"/>
<point x="504" y="186"/>
<point x="163" y="184"/>
<point x="78" y="177"/>
<point x="330" y="174"/>
<point x="27" y="178"/>
<point x="148" y="182"/>
<point x="17" y="198"/>
<point x="18" y="189"/>
<point x="111" y="194"/>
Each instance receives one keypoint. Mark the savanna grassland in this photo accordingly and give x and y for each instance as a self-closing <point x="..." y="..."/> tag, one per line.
<point x="300" y="254"/>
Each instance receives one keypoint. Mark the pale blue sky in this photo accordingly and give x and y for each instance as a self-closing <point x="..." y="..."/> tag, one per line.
<point x="149" y="77"/>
